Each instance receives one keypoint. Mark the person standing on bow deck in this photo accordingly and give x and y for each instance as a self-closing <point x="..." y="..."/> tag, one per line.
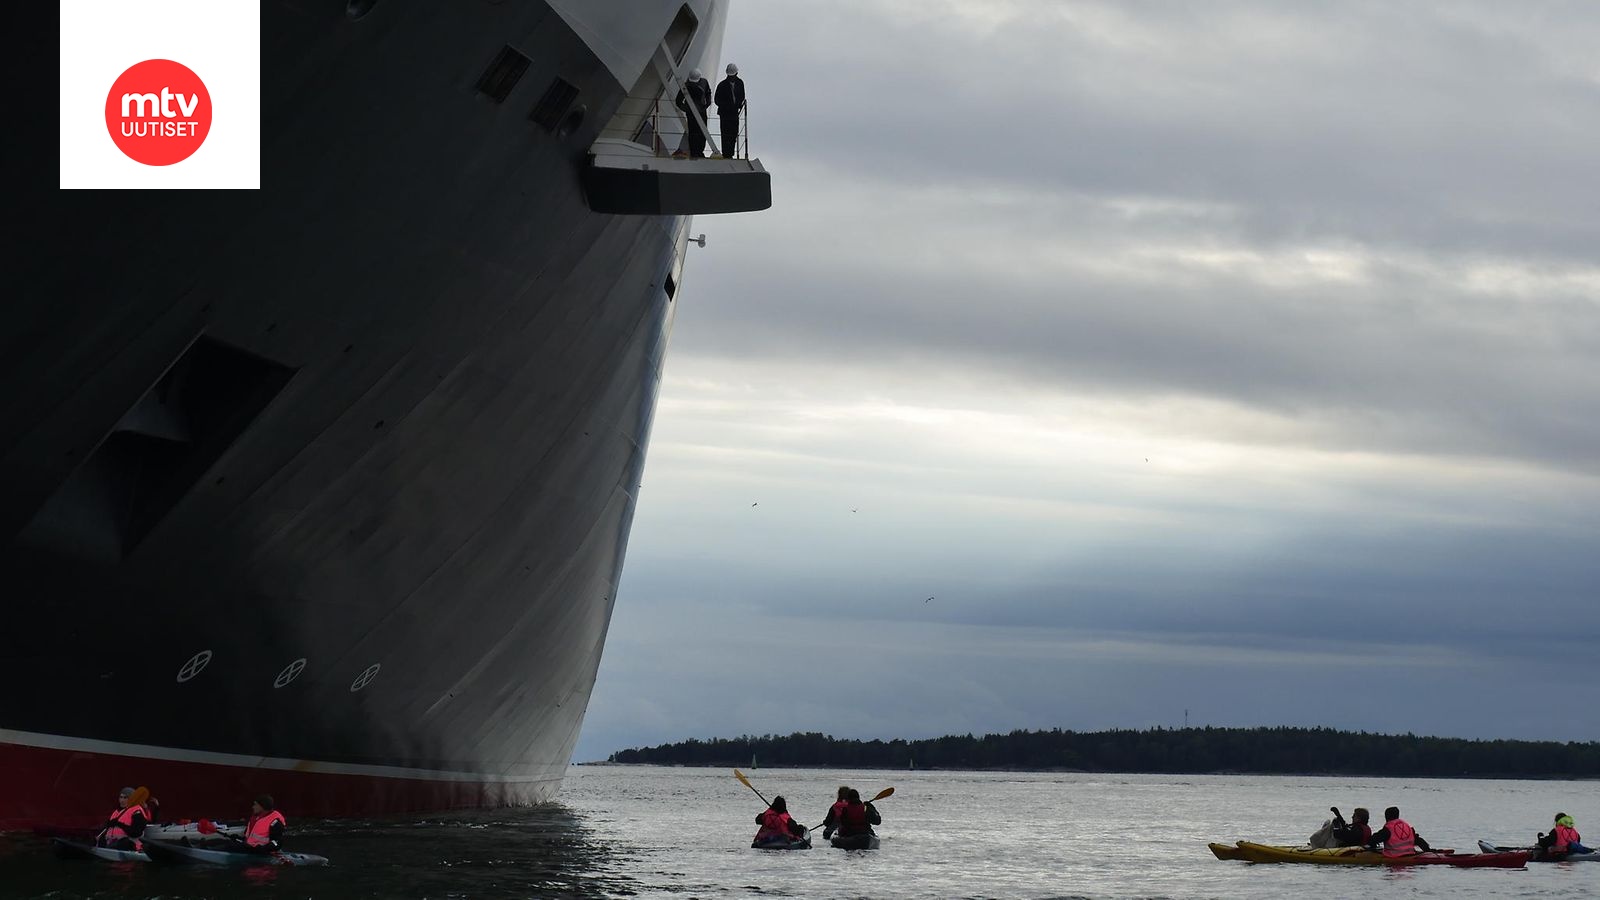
<point x="730" y="104"/>
<point x="696" y="92"/>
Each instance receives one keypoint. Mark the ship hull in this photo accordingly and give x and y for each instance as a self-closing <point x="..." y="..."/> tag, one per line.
<point x="324" y="490"/>
<point x="53" y="782"/>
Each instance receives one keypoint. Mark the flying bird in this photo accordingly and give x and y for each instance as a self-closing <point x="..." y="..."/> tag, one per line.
<point x="754" y="504"/>
<point x="925" y="601"/>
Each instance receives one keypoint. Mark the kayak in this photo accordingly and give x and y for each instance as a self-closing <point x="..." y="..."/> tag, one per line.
<point x="178" y="852"/>
<point x="856" y="842"/>
<point x="783" y="843"/>
<point x="1536" y="856"/>
<point x="1360" y="856"/>
<point x="165" y="832"/>
<point x="81" y="849"/>
<point x="1226" y="851"/>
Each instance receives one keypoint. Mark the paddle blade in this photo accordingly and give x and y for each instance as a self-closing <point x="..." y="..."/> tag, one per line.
<point x="746" y="782"/>
<point x="886" y="792"/>
<point x="140" y="795"/>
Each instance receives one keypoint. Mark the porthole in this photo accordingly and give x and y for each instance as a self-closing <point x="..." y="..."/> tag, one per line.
<point x="290" y="672"/>
<point x="572" y="121"/>
<point x="365" y="678"/>
<point x="194" y="666"/>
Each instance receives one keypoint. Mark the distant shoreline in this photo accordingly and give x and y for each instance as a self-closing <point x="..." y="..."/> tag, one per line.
<point x="777" y="767"/>
<point x="1208" y="750"/>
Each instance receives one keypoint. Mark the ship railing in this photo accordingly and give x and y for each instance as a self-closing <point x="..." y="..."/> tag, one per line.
<point x="664" y="129"/>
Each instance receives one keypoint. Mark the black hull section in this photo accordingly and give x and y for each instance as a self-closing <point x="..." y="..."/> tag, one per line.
<point x="341" y="470"/>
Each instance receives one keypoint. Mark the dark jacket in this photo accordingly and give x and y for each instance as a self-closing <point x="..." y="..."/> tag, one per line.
<point x="730" y="95"/>
<point x="1353" y="834"/>
<point x="699" y="92"/>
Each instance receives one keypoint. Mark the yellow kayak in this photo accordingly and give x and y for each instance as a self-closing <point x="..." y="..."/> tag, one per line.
<point x="1335" y="856"/>
<point x="1360" y="856"/>
<point x="1226" y="851"/>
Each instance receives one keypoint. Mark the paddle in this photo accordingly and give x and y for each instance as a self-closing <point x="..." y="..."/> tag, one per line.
<point x="746" y="782"/>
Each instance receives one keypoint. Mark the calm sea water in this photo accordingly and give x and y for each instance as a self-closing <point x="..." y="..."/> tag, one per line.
<point x="666" y="832"/>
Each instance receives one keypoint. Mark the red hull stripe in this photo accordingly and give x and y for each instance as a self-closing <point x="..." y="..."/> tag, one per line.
<point x="59" y="782"/>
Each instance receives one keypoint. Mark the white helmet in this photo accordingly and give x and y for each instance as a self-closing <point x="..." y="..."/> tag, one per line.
<point x="696" y="75"/>
<point x="733" y="69"/>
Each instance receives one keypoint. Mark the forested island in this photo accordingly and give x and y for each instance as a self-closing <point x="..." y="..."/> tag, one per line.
<point x="1304" y="751"/>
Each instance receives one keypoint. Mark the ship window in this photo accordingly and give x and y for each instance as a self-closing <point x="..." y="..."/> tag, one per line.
<point x="681" y="32"/>
<point x="503" y="74"/>
<point x="557" y="97"/>
<point x="156" y="453"/>
<point x="672" y="287"/>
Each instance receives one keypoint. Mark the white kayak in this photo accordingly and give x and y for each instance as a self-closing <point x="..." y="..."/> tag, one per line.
<point x="87" y="850"/>
<point x="222" y="854"/>
<point x="165" y="832"/>
<point x="1591" y="856"/>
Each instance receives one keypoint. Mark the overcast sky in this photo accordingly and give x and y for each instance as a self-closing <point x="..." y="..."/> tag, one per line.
<point x="1237" y="358"/>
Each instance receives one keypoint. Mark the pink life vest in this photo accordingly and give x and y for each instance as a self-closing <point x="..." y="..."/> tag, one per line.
<point x="121" y="826"/>
<point x="1402" y="839"/>
<point x="773" y="825"/>
<point x="258" y="832"/>
<point x="1565" y="835"/>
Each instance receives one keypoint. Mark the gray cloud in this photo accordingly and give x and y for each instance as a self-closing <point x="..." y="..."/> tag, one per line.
<point x="1330" y="269"/>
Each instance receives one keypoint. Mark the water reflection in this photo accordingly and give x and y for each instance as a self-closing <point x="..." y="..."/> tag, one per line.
<point x="547" y="851"/>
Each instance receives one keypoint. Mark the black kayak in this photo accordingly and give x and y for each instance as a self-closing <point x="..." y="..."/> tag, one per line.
<point x="856" y="842"/>
<point x="783" y="843"/>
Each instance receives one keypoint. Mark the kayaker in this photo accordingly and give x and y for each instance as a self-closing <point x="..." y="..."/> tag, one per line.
<point x="1397" y="836"/>
<point x="125" y="826"/>
<point x="264" y="832"/>
<point x="1354" y="834"/>
<point x="858" y="817"/>
<point x="1563" y="838"/>
<point x="835" y="812"/>
<point x="776" y="824"/>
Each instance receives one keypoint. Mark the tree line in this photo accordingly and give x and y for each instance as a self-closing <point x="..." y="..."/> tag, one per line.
<point x="1281" y="750"/>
